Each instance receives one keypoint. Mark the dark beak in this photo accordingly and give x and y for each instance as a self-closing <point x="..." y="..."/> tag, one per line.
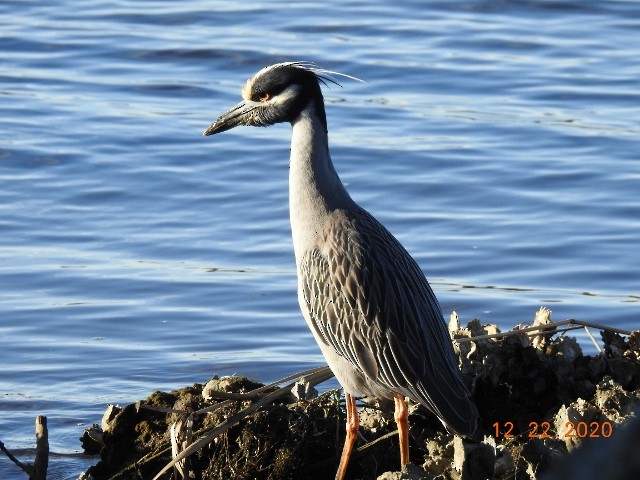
<point x="238" y="115"/>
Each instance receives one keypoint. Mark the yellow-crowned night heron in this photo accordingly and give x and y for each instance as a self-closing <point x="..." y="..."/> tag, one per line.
<point x="365" y="299"/>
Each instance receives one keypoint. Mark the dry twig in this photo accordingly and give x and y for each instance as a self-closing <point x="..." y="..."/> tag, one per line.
<point x="313" y="376"/>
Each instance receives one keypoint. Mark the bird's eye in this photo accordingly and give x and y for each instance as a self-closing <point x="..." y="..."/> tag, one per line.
<point x="264" y="97"/>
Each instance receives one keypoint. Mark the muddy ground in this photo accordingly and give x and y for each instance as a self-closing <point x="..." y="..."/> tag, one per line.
<point x="542" y="405"/>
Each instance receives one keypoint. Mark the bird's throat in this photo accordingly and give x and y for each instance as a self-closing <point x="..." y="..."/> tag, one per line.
<point x="315" y="189"/>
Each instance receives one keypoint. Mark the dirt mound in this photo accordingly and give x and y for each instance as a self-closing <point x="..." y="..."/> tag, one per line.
<point x="539" y="399"/>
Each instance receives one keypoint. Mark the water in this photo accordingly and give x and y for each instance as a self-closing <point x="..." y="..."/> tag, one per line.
<point x="497" y="140"/>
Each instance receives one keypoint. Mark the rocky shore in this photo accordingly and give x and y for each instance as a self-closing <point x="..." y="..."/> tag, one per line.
<point x="545" y="408"/>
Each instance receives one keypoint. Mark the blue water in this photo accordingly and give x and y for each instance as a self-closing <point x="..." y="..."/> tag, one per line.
<point x="499" y="141"/>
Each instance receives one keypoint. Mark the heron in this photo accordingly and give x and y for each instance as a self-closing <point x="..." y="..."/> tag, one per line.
<point x="368" y="304"/>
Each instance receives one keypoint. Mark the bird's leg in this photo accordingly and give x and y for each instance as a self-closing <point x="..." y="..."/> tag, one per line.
<point x="401" y="415"/>
<point x="353" y="423"/>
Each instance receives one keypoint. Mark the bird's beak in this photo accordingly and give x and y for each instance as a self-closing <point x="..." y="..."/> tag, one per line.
<point x="241" y="114"/>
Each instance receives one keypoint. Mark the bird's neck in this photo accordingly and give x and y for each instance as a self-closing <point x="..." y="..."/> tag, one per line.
<point x="315" y="190"/>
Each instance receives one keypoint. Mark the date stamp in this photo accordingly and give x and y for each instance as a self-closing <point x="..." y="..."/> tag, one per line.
<point x="545" y="430"/>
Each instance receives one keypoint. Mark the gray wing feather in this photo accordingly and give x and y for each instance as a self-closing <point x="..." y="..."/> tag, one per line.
<point x="369" y="300"/>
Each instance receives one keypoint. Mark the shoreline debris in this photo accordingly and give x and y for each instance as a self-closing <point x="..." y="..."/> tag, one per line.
<point x="540" y="399"/>
<point x="547" y="412"/>
<point x="38" y="469"/>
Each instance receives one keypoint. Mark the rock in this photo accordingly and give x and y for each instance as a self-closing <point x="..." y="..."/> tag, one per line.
<point x="540" y="454"/>
<point x="612" y="458"/>
<point x="92" y="440"/>
<point x="614" y="402"/>
<point x="542" y="317"/>
<point x="474" y="461"/>
<point x="633" y="341"/>
<point x="408" y="472"/>
<point x="228" y="384"/>
<point x="454" y="323"/>
<point x="109" y="416"/>
<point x="569" y="417"/>
<point x="528" y="398"/>
<point x="303" y="390"/>
<point x="614" y="344"/>
<point x="624" y="371"/>
<point x="504" y="464"/>
<point x="564" y="351"/>
<point x="375" y="419"/>
<point x="439" y="454"/>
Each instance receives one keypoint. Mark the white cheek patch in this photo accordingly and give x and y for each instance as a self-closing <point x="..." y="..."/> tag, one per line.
<point x="285" y="96"/>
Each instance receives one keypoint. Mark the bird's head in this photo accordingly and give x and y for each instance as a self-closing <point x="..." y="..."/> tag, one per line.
<point x="275" y="94"/>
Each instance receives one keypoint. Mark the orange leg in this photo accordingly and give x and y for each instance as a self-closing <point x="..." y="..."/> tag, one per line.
<point x="401" y="415"/>
<point x="353" y="422"/>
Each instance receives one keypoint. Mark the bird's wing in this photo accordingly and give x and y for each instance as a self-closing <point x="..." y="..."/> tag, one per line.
<point x="370" y="301"/>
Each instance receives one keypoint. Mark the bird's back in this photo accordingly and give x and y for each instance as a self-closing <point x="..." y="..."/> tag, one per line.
<point x="377" y="319"/>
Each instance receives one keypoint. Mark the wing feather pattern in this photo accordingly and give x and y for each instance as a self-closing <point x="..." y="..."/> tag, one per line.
<point x="369" y="300"/>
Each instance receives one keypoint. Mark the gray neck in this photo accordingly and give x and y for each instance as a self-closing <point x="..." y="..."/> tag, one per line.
<point x="315" y="190"/>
